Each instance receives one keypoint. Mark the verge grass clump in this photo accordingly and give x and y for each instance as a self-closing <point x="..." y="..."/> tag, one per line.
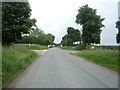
<point x="0" y="66"/>
<point x="68" y="47"/>
<point x="33" y="46"/>
<point x="107" y="58"/>
<point x="77" y="47"/>
<point x="14" y="60"/>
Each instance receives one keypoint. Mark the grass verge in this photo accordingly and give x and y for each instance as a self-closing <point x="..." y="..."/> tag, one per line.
<point x="15" y="59"/>
<point x="68" y="47"/>
<point x="0" y="66"/>
<point x="107" y="58"/>
<point x="33" y="46"/>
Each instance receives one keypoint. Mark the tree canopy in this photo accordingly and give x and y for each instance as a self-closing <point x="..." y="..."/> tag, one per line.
<point x="118" y="34"/>
<point x="15" y="21"/>
<point x="73" y="35"/>
<point x="91" y="23"/>
<point x="37" y="36"/>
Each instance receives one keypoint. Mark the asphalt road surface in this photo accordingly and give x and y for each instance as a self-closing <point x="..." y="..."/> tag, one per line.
<point x="59" y="69"/>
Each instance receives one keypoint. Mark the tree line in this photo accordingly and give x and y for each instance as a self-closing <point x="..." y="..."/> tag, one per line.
<point x="37" y="36"/>
<point x="18" y="27"/>
<point x="91" y="28"/>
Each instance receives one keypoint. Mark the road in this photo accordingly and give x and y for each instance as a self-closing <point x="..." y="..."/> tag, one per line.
<point x="59" y="69"/>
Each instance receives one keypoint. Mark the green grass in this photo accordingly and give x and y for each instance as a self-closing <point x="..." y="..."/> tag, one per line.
<point x="0" y="66"/>
<point x="108" y="47"/>
<point x="77" y="47"/>
<point x="33" y="46"/>
<point x="15" y="59"/>
<point x="68" y="47"/>
<point x="107" y="58"/>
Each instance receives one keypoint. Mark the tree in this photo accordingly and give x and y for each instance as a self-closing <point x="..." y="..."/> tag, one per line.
<point x="37" y="36"/>
<point x="25" y="39"/>
<point x="66" y="41"/>
<point x="50" y="38"/>
<point x="15" y="21"/>
<point x="118" y="35"/>
<point x="73" y="35"/>
<point x="91" y="23"/>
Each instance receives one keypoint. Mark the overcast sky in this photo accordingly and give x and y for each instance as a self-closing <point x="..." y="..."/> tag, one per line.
<point x="54" y="16"/>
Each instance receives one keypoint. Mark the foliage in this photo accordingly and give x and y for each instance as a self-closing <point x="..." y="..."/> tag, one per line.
<point x="78" y="47"/>
<point x="37" y="36"/>
<point x="108" y="47"/>
<point x="0" y="66"/>
<point x="91" y="23"/>
<point x="15" y="59"/>
<point x="91" y="47"/>
<point x="64" y="41"/>
<point x="15" y="21"/>
<point x="50" y="39"/>
<point x="118" y="35"/>
<point x="33" y="46"/>
<point x="73" y="35"/>
<point x="68" y="47"/>
<point x="81" y="47"/>
<point x="107" y="58"/>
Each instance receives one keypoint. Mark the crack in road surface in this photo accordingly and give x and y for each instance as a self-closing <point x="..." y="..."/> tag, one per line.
<point x="59" y="69"/>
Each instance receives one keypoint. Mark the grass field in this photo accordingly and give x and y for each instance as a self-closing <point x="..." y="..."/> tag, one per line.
<point x="107" y="58"/>
<point x="68" y="47"/>
<point x="0" y="66"/>
<point x="15" y="59"/>
<point x="33" y="46"/>
<point x="77" y="47"/>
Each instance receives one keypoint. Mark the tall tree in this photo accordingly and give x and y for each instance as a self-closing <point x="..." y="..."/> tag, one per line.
<point x="66" y="41"/>
<point x="37" y="36"/>
<point x="118" y="35"/>
<point x="91" y="23"/>
<point x="15" y="21"/>
<point x="73" y="35"/>
<point x="50" y="38"/>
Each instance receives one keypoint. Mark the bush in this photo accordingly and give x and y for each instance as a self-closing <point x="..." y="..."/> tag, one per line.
<point x="90" y="47"/>
<point x="68" y="47"/>
<point x="81" y="47"/>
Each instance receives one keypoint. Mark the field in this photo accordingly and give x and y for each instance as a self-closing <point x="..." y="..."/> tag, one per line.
<point x="107" y="58"/>
<point x="68" y="47"/>
<point x="0" y="66"/>
<point x="15" y="59"/>
<point x="33" y="46"/>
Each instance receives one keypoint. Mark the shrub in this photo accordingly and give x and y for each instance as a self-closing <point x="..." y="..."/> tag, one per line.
<point x="81" y="47"/>
<point x="90" y="47"/>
